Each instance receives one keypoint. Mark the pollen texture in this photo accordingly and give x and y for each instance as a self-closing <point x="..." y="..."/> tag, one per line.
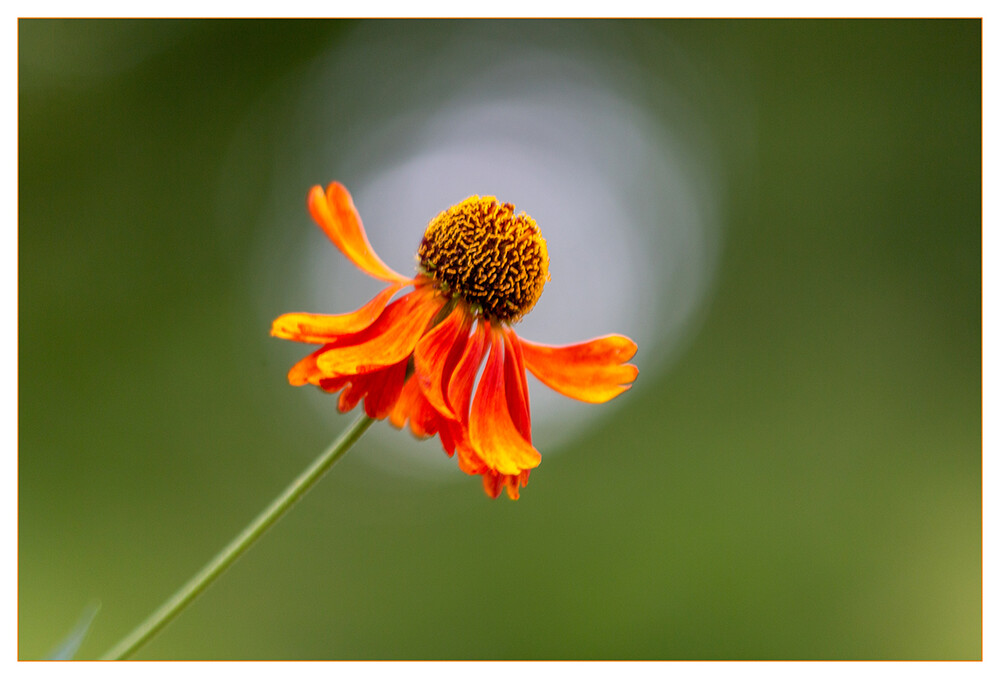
<point x="483" y="253"/>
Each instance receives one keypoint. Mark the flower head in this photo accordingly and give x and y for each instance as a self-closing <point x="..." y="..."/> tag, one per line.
<point x="481" y="252"/>
<point x="415" y="360"/>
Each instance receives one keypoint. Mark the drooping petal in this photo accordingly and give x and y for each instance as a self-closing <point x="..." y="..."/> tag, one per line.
<point x="450" y="432"/>
<point x="335" y="213"/>
<point x="384" y="389"/>
<point x="426" y="421"/>
<point x="380" y="390"/>
<point x="493" y="483"/>
<point x="387" y="341"/>
<point x="409" y="406"/>
<point x="332" y="385"/>
<point x="468" y="459"/>
<point x="594" y="371"/>
<point x="454" y="433"/>
<point x="514" y="483"/>
<point x="437" y="354"/>
<point x="516" y="384"/>
<point x="324" y="328"/>
<point x="464" y="376"/>
<point x="404" y="406"/>
<point x="354" y="391"/>
<point x="306" y="371"/>
<point x="459" y="398"/>
<point x="492" y="433"/>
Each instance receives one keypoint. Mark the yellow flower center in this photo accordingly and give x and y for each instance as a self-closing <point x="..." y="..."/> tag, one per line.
<point x="480" y="251"/>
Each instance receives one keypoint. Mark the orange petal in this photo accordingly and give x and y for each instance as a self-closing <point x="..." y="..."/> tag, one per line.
<point x="405" y="405"/>
<point x="517" y="385"/>
<point x="354" y="392"/>
<point x="493" y="483"/>
<point x="305" y="371"/>
<point x="380" y="390"/>
<point x="468" y="461"/>
<point x="414" y="407"/>
<point x="593" y="371"/>
<point x="464" y="376"/>
<point x="491" y="431"/>
<point x="515" y="483"/>
<point x="387" y="341"/>
<point x="450" y="432"/>
<point x="323" y="328"/>
<point x="384" y="389"/>
<point x="424" y="419"/>
<point x="437" y="354"/>
<point x="459" y="395"/>
<point x="335" y="213"/>
<point x="332" y="384"/>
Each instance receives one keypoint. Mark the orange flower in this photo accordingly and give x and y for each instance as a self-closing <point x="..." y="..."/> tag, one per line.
<point x="416" y="358"/>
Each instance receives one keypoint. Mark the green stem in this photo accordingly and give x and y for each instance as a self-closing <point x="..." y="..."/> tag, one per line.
<point x="224" y="559"/>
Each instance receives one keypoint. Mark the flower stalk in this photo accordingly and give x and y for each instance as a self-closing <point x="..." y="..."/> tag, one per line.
<point x="225" y="558"/>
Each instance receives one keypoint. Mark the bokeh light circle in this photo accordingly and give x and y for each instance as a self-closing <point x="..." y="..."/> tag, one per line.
<point x="618" y="180"/>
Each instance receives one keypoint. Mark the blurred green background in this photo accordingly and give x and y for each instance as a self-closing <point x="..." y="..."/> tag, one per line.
<point x="800" y="480"/>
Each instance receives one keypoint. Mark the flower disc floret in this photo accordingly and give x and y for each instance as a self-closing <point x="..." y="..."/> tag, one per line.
<point x="483" y="253"/>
